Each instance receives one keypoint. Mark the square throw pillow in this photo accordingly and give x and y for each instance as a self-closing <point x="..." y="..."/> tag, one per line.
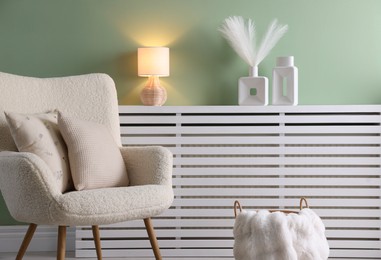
<point x="39" y="134"/>
<point x="95" y="158"/>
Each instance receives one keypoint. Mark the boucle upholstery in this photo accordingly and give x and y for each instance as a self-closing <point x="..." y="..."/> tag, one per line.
<point x="38" y="199"/>
<point x="89" y="97"/>
<point x="111" y="205"/>
<point x="148" y="166"/>
<point x="27" y="183"/>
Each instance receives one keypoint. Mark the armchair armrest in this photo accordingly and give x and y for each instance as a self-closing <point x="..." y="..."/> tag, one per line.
<point x="27" y="185"/>
<point x="148" y="165"/>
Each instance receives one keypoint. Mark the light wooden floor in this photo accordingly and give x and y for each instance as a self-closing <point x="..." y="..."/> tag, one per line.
<point x="45" y="256"/>
<point x="35" y="256"/>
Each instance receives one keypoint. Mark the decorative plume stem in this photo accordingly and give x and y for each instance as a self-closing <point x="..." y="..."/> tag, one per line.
<point x="253" y="71"/>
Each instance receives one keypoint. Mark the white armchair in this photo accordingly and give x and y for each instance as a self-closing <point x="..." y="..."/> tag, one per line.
<point x="28" y="186"/>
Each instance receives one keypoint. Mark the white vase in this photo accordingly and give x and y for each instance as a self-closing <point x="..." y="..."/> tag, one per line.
<point x="285" y="82"/>
<point x="253" y="90"/>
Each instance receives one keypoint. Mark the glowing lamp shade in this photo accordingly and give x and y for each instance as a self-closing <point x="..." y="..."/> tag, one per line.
<point x="153" y="62"/>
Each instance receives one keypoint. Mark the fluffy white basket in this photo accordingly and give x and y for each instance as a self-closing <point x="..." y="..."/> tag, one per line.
<point x="283" y="235"/>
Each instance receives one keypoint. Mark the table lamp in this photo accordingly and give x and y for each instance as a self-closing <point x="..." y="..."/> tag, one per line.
<point x="152" y="63"/>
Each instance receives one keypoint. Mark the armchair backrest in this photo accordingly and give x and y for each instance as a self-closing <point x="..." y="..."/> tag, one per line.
<point x="90" y="97"/>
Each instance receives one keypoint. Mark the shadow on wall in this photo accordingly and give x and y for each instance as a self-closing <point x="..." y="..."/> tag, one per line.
<point x="129" y="82"/>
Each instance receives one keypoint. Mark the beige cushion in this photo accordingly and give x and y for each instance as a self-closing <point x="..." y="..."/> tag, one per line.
<point x="95" y="158"/>
<point x="39" y="134"/>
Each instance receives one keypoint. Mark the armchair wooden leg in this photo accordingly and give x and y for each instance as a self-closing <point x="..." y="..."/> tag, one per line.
<point x="25" y="243"/>
<point x="152" y="238"/>
<point x="97" y="242"/>
<point x="61" y="243"/>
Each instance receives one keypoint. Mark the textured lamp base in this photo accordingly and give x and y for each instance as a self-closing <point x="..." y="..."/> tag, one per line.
<point x="153" y="94"/>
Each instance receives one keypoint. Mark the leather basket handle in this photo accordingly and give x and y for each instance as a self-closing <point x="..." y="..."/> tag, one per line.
<point x="237" y="205"/>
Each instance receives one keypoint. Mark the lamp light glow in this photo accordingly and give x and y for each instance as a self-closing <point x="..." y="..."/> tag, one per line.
<point x="153" y="62"/>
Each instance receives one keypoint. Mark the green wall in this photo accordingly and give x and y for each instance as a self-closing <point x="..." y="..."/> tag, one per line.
<point x="336" y="44"/>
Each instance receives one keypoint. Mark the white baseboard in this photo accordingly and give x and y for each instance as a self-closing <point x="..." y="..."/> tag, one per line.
<point x="44" y="239"/>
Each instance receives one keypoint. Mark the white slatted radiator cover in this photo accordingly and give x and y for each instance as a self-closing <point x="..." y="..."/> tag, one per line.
<point x="267" y="157"/>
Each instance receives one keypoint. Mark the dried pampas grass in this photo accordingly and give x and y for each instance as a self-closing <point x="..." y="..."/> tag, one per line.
<point x="241" y="35"/>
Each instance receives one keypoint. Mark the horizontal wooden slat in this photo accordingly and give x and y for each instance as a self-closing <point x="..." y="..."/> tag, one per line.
<point x="247" y="119"/>
<point x="296" y="192"/>
<point x="210" y="243"/>
<point x="200" y="243"/>
<point x="326" y="109"/>
<point x="278" y="202"/>
<point x="221" y="253"/>
<point x="166" y="253"/>
<point x="273" y="140"/>
<point x="229" y="223"/>
<point x="159" y="130"/>
<point x="305" y="171"/>
<point x="233" y="161"/>
<point x="323" y="213"/>
<point x="268" y="119"/>
<point x="130" y="129"/>
<point x="213" y="233"/>
<point x="360" y="254"/>
<point x="229" y="182"/>
<point x="149" y="120"/>
<point x="278" y="150"/>
<point x="222" y="233"/>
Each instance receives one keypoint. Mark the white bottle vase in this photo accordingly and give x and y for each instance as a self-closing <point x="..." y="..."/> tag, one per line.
<point x="285" y="82"/>
<point x="253" y="90"/>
